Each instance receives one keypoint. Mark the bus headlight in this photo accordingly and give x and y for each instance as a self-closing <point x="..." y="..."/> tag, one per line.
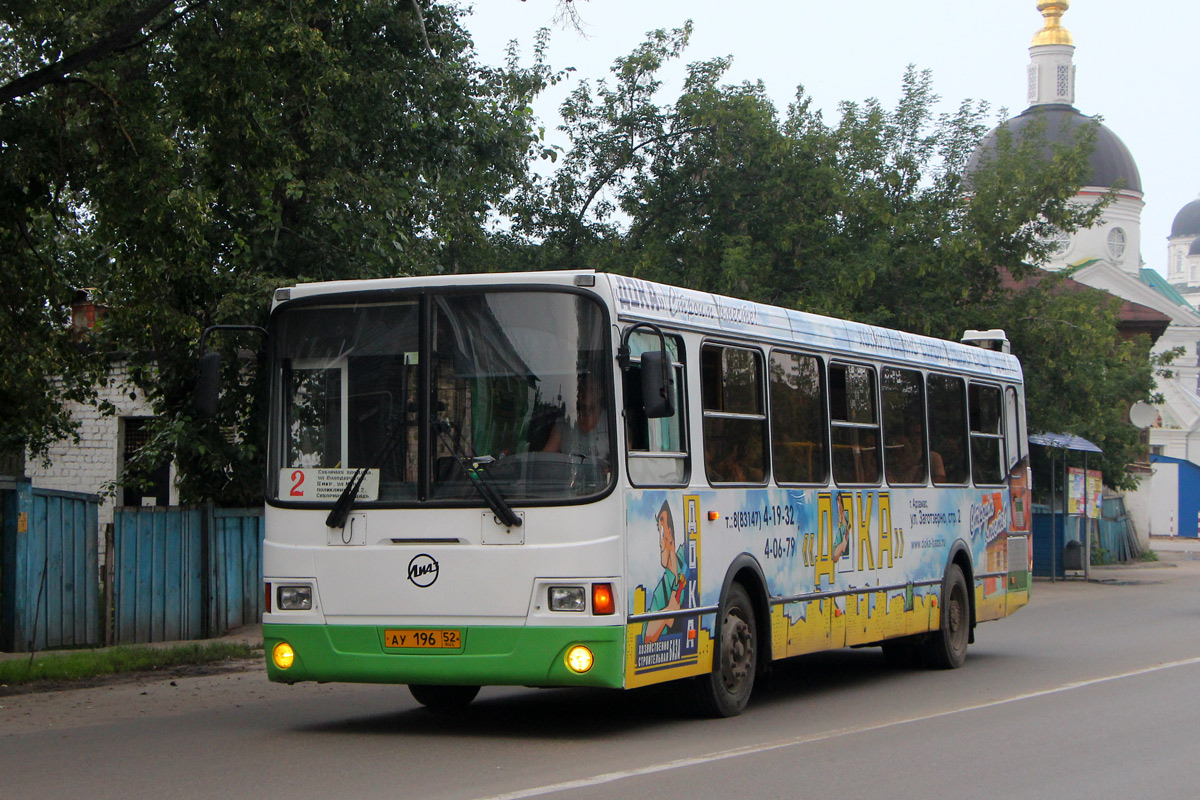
<point x="283" y="655"/>
<point x="579" y="659"/>
<point x="295" y="598"/>
<point x="567" y="598"/>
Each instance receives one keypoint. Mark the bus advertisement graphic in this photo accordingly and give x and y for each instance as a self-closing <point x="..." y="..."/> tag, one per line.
<point x="671" y="582"/>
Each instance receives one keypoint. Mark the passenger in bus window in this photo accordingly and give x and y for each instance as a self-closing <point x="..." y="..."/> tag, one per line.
<point x="731" y="459"/>
<point x="728" y="466"/>
<point x="937" y="466"/>
<point x="906" y="455"/>
<point x="587" y="435"/>
<point x="669" y="593"/>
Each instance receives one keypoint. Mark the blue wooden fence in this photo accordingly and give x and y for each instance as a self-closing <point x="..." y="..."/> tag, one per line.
<point x="185" y="573"/>
<point x="49" y="575"/>
<point x="237" y="596"/>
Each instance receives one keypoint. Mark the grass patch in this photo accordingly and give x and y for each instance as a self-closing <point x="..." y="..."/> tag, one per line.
<point x="1149" y="555"/>
<point x="81" y="665"/>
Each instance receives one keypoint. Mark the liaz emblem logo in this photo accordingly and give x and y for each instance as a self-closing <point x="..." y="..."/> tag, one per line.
<point x="423" y="570"/>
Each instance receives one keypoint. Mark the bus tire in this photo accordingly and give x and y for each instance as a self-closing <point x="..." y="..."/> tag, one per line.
<point x="725" y="691"/>
<point x="443" y="698"/>
<point x="946" y="648"/>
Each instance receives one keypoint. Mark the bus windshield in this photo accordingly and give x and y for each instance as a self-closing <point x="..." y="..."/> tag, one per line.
<point x="515" y="394"/>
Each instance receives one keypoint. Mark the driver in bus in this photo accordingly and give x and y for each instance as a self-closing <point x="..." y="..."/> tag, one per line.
<point x="588" y="434"/>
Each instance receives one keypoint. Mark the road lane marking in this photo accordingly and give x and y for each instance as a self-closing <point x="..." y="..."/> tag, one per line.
<point x="750" y="750"/>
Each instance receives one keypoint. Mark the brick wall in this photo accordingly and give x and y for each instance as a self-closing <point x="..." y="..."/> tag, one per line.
<point x="92" y="463"/>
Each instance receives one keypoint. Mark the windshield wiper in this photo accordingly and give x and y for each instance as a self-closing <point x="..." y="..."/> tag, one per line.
<point x="341" y="507"/>
<point x="475" y="475"/>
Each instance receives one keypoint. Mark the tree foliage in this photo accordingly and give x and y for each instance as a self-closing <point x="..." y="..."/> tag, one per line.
<point x="187" y="158"/>
<point x="875" y="217"/>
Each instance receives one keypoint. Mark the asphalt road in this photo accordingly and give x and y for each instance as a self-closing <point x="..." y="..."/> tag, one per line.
<point x="1088" y="692"/>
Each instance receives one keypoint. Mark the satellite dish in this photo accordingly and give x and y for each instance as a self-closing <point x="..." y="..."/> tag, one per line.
<point x="1142" y="414"/>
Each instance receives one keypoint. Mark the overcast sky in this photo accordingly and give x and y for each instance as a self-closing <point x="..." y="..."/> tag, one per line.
<point x="1137" y="64"/>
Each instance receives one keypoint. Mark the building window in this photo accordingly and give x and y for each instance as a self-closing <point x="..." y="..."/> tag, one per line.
<point x="1033" y="81"/>
<point x="142" y="483"/>
<point x="1064" y="80"/>
<point x="1116" y="245"/>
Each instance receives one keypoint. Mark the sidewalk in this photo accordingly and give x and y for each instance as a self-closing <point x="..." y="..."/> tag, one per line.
<point x="1171" y="550"/>
<point x="249" y="635"/>
<point x="1176" y="544"/>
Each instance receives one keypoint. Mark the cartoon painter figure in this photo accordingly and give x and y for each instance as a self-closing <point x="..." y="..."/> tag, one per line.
<point x="670" y="593"/>
<point x="841" y="543"/>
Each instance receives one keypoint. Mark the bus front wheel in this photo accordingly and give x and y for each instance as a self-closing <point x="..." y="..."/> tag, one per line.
<point x="443" y="698"/>
<point x="725" y="691"/>
<point x="946" y="648"/>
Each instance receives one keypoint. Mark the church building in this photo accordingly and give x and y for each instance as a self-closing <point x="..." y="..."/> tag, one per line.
<point x="1108" y="256"/>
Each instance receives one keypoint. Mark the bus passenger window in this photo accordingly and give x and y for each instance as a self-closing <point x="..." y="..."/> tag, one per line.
<point x="657" y="448"/>
<point x="947" y="429"/>
<point x="854" y="423"/>
<point x="735" y="422"/>
<point x="799" y="442"/>
<point x="903" y="426"/>
<point x="987" y="435"/>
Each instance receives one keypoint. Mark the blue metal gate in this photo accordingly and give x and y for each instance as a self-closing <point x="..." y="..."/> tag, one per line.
<point x="158" y="591"/>
<point x="49" y="578"/>
<point x="237" y="575"/>
<point x="185" y="573"/>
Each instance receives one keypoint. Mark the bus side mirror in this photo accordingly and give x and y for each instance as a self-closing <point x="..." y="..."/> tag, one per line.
<point x="658" y="385"/>
<point x="208" y="386"/>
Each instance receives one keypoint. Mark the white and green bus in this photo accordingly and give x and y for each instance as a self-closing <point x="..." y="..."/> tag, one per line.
<point x="581" y="479"/>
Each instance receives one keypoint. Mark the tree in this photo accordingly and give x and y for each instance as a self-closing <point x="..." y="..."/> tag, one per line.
<point x="214" y="153"/>
<point x="1081" y="375"/>
<point x="875" y="218"/>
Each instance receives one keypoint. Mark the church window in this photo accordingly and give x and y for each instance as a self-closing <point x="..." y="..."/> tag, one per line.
<point x="1033" y="81"/>
<point x="1064" y="80"/>
<point x="1116" y="244"/>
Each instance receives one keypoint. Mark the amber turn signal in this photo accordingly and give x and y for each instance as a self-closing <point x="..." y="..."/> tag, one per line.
<point x="602" y="599"/>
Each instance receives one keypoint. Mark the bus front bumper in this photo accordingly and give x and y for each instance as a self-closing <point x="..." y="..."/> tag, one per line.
<point x="487" y="655"/>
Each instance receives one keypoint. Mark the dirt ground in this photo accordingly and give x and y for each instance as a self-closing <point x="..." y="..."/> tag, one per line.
<point x="226" y="667"/>
<point x="160" y="693"/>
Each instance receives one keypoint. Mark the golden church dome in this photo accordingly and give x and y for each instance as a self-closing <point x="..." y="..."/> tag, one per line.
<point x="1053" y="32"/>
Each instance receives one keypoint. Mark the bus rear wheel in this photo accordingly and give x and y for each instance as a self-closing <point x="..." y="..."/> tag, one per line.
<point x="946" y="648"/>
<point x="725" y="691"/>
<point x="443" y="698"/>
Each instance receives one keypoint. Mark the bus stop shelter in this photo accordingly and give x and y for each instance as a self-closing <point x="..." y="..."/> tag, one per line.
<point x="1053" y="552"/>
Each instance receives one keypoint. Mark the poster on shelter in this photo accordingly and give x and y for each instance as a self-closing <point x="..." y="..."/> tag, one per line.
<point x="1095" y="493"/>
<point x="1076" y="492"/>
